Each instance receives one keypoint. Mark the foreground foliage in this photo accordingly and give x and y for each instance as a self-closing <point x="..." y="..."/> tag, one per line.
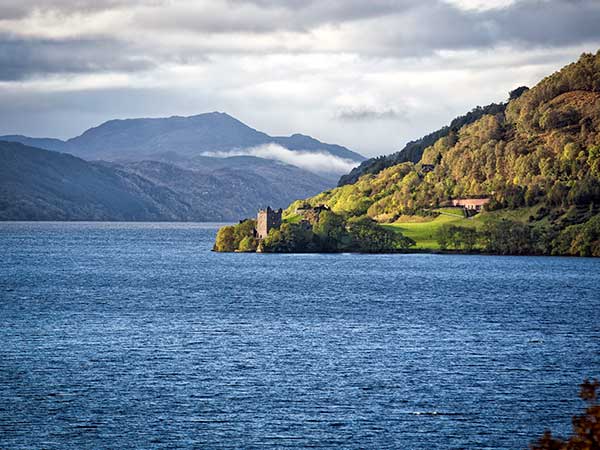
<point x="586" y="426"/>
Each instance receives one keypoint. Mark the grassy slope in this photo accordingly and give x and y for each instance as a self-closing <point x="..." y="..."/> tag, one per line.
<point x="425" y="233"/>
<point x="292" y="218"/>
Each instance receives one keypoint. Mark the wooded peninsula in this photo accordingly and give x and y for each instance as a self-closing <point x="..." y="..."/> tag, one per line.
<point x="520" y="177"/>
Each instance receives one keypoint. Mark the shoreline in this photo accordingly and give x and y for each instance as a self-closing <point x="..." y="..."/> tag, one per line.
<point x="412" y="252"/>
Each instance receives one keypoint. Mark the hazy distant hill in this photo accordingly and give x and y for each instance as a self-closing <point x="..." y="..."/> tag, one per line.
<point x="136" y="139"/>
<point x="233" y="190"/>
<point x="37" y="184"/>
<point x="45" y="143"/>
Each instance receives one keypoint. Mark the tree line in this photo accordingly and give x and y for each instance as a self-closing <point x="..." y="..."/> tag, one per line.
<point x="507" y="237"/>
<point x="329" y="232"/>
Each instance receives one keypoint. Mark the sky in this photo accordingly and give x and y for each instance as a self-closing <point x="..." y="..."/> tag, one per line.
<point x="367" y="74"/>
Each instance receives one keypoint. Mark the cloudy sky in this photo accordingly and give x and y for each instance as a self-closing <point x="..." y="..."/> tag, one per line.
<point x="367" y="74"/>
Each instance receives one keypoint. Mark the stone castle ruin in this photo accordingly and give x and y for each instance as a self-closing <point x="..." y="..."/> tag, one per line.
<point x="266" y="220"/>
<point x="311" y="213"/>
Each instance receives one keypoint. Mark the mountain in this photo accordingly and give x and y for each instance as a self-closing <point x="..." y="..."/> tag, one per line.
<point x="183" y="160"/>
<point x="45" y="143"/>
<point x="535" y="161"/>
<point x="44" y="185"/>
<point x="136" y="139"/>
<point x="232" y="190"/>
<point x="37" y="184"/>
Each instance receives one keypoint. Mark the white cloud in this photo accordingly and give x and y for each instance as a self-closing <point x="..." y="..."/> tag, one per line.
<point x="317" y="162"/>
<point x="481" y="5"/>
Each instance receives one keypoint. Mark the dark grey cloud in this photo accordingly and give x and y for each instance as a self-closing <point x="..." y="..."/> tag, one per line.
<point x="438" y="26"/>
<point x="21" y="58"/>
<point x="405" y="27"/>
<point x="398" y="28"/>
<point x="546" y="23"/>
<point x="307" y="13"/>
<point x="267" y="16"/>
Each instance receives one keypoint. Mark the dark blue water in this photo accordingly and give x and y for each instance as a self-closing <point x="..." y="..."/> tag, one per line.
<point x="137" y="336"/>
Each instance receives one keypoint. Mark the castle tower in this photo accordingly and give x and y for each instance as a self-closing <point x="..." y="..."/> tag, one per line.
<point x="266" y="220"/>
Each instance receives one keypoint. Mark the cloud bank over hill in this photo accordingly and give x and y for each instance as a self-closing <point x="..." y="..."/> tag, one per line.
<point x="316" y="162"/>
<point x="66" y="65"/>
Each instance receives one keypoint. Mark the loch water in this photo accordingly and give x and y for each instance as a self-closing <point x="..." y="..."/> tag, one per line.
<point x="125" y="335"/>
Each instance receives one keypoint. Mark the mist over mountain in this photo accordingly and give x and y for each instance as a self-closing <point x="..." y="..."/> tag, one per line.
<point x="211" y="133"/>
<point x="208" y="167"/>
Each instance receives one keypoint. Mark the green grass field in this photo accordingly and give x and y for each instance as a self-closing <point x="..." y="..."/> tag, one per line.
<point x="425" y="233"/>
<point x="294" y="218"/>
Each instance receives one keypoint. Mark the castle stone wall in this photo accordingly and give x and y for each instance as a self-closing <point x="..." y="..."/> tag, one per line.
<point x="266" y="220"/>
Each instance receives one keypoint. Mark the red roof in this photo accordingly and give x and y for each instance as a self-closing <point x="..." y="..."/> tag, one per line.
<point x="470" y="201"/>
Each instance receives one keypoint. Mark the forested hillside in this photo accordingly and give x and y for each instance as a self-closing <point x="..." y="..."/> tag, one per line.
<point x="413" y="151"/>
<point x="540" y="155"/>
<point x="38" y="184"/>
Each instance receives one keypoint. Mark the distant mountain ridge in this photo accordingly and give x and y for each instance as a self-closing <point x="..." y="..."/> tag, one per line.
<point x="207" y="167"/>
<point x="135" y="139"/>
<point x="45" y="143"/>
<point x="38" y="184"/>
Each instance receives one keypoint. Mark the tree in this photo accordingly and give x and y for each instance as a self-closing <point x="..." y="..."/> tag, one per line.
<point x="516" y="93"/>
<point x="225" y="241"/>
<point x="290" y="238"/>
<point x="594" y="160"/>
<point x="586" y="426"/>
<point x="444" y="236"/>
<point x="506" y="237"/>
<point x="331" y="231"/>
<point x="579" y="240"/>
<point x="248" y="244"/>
<point x="272" y="242"/>
<point x="244" y="229"/>
<point x="469" y="237"/>
<point x="370" y="237"/>
<point x="457" y="237"/>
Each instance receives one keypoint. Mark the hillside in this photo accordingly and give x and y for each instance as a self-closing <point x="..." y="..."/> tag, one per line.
<point x="413" y="151"/>
<point x="232" y="190"/>
<point x="136" y="139"/>
<point x="37" y="184"/>
<point x="537" y="160"/>
<point x="43" y="185"/>
<point x="543" y="149"/>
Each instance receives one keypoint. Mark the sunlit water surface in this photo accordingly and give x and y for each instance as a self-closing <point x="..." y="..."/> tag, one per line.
<point x="137" y="336"/>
